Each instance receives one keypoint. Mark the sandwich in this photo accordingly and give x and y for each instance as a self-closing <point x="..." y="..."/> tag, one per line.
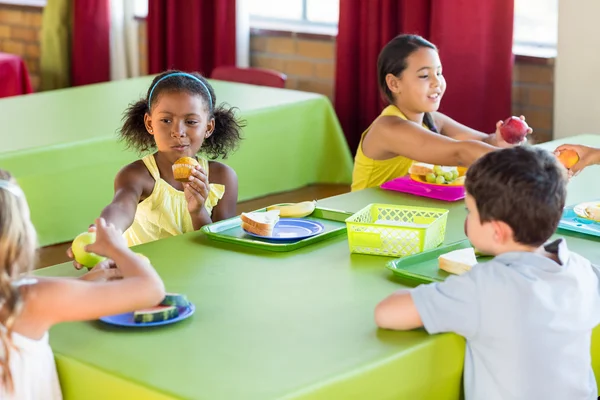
<point x="260" y="223"/>
<point x="419" y="168"/>
<point x="458" y="261"/>
<point x="593" y="212"/>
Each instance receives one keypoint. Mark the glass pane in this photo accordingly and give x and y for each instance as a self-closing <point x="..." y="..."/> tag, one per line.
<point x="536" y="22"/>
<point x="140" y="8"/>
<point x="323" y="11"/>
<point x="278" y="9"/>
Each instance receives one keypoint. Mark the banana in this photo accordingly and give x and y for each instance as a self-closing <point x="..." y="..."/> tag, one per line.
<point x="295" y="210"/>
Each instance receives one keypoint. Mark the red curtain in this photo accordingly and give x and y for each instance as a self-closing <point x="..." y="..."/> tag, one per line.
<point x="90" y="52"/>
<point x="475" y="42"/>
<point x="190" y="35"/>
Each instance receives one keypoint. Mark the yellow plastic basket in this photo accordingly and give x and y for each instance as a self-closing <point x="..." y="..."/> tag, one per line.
<point x="395" y="230"/>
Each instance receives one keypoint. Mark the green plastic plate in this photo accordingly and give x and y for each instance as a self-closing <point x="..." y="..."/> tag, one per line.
<point x="230" y="231"/>
<point x="423" y="267"/>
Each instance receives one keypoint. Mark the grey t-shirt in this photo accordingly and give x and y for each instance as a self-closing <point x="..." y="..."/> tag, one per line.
<point x="527" y="321"/>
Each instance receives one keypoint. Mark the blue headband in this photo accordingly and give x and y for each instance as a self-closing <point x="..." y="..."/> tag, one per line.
<point x="181" y="74"/>
<point x="11" y="187"/>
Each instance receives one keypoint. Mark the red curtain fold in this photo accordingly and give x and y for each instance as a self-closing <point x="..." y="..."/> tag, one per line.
<point x="190" y="35"/>
<point x="90" y="52"/>
<point x="475" y="43"/>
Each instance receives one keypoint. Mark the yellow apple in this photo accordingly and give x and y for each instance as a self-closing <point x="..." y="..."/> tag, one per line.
<point x="81" y="256"/>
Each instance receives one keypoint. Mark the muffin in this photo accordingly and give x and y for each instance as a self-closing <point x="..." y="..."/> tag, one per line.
<point x="182" y="169"/>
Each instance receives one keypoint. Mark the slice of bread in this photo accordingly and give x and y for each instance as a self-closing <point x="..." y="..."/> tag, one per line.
<point x="260" y="223"/>
<point x="420" y="168"/>
<point x="458" y="261"/>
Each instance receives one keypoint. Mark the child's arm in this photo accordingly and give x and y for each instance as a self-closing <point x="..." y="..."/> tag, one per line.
<point x="455" y="130"/>
<point x="450" y="306"/>
<point x="54" y="300"/>
<point x="398" y="137"/>
<point x="130" y="184"/>
<point x="587" y="156"/>
<point x="226" y="176"/>
<point x="398" y="312"/>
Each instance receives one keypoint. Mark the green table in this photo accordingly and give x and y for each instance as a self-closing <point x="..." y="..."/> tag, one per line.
<point x="62" y="147"/>
<point x="276" y="325"/>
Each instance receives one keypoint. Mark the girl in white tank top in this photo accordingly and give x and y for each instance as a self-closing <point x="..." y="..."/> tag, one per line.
<point x="30" y="306"/>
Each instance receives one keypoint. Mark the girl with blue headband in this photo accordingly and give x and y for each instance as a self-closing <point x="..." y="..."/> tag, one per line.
<point x="178" y="118"/>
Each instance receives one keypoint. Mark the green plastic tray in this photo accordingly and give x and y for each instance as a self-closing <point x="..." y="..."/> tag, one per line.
<point x="423" y="267"/>
<point x="230" y="231"/>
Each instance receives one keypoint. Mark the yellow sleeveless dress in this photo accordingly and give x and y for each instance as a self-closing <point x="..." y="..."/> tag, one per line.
<point x="372" y="173"/>
<point x="164" y="213"/>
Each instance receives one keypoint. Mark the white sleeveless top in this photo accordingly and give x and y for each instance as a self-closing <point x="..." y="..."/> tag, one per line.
<point x="33" y="370"/>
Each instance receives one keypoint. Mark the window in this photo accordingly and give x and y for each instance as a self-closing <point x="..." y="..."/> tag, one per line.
<point x="140" y="8"/>
<point x="33" y="3"/>
<point x="318" y="16"/>
<point x="536" y="27"/>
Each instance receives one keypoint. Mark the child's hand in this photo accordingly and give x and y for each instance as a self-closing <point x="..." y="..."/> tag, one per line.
<point x="587" y="156"/>
<point x="103" y="271"/>
<point x="92" y="228"/>
<point x="108" y="240"/>
<point x="196" y="190"/>
<point x="499" y="141"/>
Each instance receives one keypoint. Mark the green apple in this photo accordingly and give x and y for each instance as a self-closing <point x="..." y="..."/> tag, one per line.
<point x="81" y="256"/>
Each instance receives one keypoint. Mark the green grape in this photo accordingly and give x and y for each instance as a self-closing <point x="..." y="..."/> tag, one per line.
<point x="430" y="177"/>
<point x="455" y="173"/>
<point x="440" y="180"/>
<point x="448" y="176"/>
<point x="438" y="170"/>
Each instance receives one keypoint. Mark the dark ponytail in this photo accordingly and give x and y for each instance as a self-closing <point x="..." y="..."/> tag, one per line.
<point x="429" y="123"/>
<point x="133" y="132"/>
<point x="226" y="135"/>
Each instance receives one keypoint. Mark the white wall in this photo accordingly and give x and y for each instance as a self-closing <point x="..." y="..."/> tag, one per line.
<point x="577" y="73"/>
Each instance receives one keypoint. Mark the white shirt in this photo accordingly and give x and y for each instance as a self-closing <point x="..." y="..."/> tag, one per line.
<point x="33" y="370"/>
<point x="528" y="323"/>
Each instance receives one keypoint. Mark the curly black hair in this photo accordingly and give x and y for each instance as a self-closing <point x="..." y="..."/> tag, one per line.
<point x="228" y="127"/>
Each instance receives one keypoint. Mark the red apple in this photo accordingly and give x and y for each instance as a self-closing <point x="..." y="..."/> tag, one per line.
<point x="514" y="130"/>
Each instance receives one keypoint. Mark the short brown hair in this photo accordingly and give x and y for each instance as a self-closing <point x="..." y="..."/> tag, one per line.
<point x="524" y="187"/>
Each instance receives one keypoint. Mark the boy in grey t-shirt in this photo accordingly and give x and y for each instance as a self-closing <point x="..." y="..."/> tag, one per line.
<point x="528" y="314"/>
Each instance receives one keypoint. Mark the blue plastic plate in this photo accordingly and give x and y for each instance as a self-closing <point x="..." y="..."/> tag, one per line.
<point x="293" y="229"/>
<point x="126" y="319"/>
<point x="571" y="221"/>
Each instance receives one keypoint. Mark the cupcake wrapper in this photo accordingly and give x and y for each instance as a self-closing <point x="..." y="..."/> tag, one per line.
<point x="182" y="172"/>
